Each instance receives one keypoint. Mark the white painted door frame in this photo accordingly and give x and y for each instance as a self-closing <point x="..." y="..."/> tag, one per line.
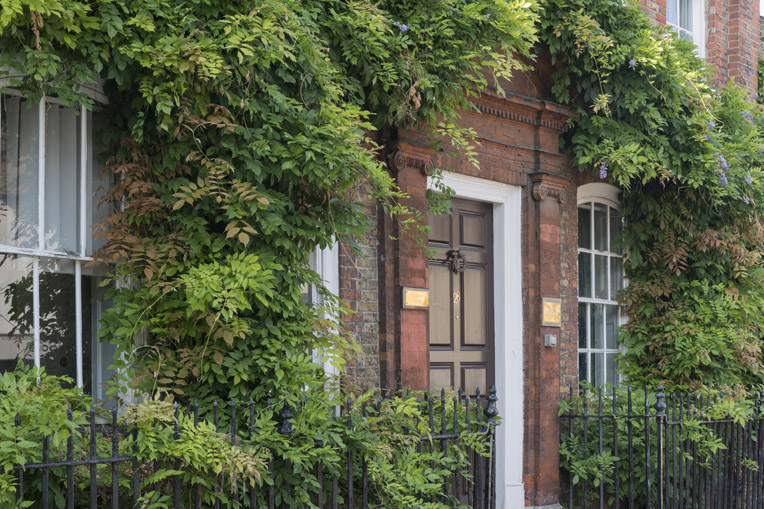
<point x="508" y="318"/>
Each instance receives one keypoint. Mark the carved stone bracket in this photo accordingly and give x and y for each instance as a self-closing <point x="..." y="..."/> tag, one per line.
<point x="546" y="186"/>
<point x="400" y="160"/>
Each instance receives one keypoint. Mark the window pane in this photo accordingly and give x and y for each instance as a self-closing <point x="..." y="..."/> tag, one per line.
<point x="597" y="326"/>
<point x="58" y="321"/>
<point x="584" y="226"/>
<point x="600" y="276"/>
<point x="62" y="179"/>
<point x="611" y="326"/>
<point x="615" y="229"/>
<point x="671" y="11"/>
<point x="16" y="312"/>
<point x="582" y="326"/>
<point x="19" y="175"/>
<point x="616" y="277"/>
<point x="582" y="365"/>
<point x="597" y="369"/>
<point x="102" y="353"/>
<point x="584" y="275"/>
<point x="610" y="368"/>
<point x="685" y="14"/>
<point x="600" y="227"/>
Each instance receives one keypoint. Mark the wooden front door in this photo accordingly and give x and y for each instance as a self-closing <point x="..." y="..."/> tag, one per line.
<point x="461" y="297"/>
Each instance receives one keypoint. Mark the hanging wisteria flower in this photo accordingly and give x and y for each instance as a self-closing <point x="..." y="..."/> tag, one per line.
<point x="723" y="179"/>
<point x="711" y="124"/>
<point x="603" y="171"/>
<point x="747" y="116"/>
<point x="632" y="63"/>
<point x="401" y="26"/>
<point x="746" y="200"/>
<point x="723" y="163"/>
<point x="708" y="137"/>
<point x="748" y="179"/>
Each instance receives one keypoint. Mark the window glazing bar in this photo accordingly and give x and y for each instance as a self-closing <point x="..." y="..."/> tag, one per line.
<point x="78" y="318"/>
<point x="83" y="180"/>
<point x="41" y="174"/>
<point x="43" y="253"/>
<point x="36" y="309"/>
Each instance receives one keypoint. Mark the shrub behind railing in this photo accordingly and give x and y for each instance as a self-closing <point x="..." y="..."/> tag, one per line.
<point x="624" y="448"/>
<point x="305" y="450"/>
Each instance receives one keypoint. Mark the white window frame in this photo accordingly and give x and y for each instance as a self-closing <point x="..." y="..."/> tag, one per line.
<point x="41" y="251"/>
<point x="326" y="263"/>
<point x="608" y="195"/>
<point x="698" y="15"/>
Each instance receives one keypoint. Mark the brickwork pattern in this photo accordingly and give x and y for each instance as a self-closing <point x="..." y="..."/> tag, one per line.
<point x="732" y="37"/>
<point x="656" y="9"/>
<point x="360" y="291"/>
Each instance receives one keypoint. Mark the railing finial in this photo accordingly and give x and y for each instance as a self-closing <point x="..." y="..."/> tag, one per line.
<point x="660" y="404"/>
<point x="285" y="426"/>
<point x="491" y="411"/>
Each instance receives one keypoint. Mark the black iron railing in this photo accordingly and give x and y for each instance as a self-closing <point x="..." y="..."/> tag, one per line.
<point x="90" y="478"/>
<point x="625" y="449"/>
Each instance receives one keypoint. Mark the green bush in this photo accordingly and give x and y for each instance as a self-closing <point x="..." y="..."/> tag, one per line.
<point x="392" y="436"/>
<point x="688" y="158"/>
<point x="582" y="462"/>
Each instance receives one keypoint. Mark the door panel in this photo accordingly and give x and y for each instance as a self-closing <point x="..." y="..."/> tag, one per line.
<point x="440" y="305"/>
<point x="461" y="297"/>
<point x="441" y="375"/>
<point x="473" y="307"/>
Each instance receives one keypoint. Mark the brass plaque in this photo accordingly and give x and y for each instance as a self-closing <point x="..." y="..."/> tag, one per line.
<point x="416" y="298"/>
<point x="551" y="312"/>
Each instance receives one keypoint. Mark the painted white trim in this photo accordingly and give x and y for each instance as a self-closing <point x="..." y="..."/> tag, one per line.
<point x="328" y="266"/>
<point x="36" y="310"/>
<point x="83" y="180"/>
<point x="699" y="26"/>
<point x="92" y="90"/>
<point x="41" y="132"/>
<point x="78" y="319"/>
<point x="600" y="192"/>
<point x="508" y="323"/>
<point x="44" y="253"/>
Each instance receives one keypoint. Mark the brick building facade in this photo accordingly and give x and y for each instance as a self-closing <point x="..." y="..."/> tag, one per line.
<point x="534" y="194"/>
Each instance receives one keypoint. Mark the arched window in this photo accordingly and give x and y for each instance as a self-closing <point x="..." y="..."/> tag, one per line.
<point x="50" y="186"/>
<point x="600" y="277"/>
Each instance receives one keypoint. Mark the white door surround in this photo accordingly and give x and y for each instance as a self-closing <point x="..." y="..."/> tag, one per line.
<point x="508" y="326"/>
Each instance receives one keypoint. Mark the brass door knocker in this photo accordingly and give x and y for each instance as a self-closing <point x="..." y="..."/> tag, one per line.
<point x="456" y="261"/>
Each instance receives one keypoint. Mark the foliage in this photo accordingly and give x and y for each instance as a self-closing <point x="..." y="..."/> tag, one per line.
<point x="760" y="76"/>
<point x="31" y="409"/>
<point x="240" y="138"/>
<point x="693" y="442"/>
<point x="688" y="159"/>
<point x="217" y="456"/>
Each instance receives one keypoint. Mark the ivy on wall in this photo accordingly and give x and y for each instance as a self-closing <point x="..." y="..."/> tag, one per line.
<point x="241" y="136"/>
<point x="688" y="159"/>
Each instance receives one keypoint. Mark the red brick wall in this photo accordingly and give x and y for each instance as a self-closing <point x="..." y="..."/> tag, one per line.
<point x="359" y="290"/>
<point x="732" y="37"/>
<point x="519" y="145"/>
<point x="656" y="9"/>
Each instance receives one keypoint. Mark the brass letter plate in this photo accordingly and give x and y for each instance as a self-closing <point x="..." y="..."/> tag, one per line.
<point x="551" y="314"/>
<point x="416" y="298"/>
